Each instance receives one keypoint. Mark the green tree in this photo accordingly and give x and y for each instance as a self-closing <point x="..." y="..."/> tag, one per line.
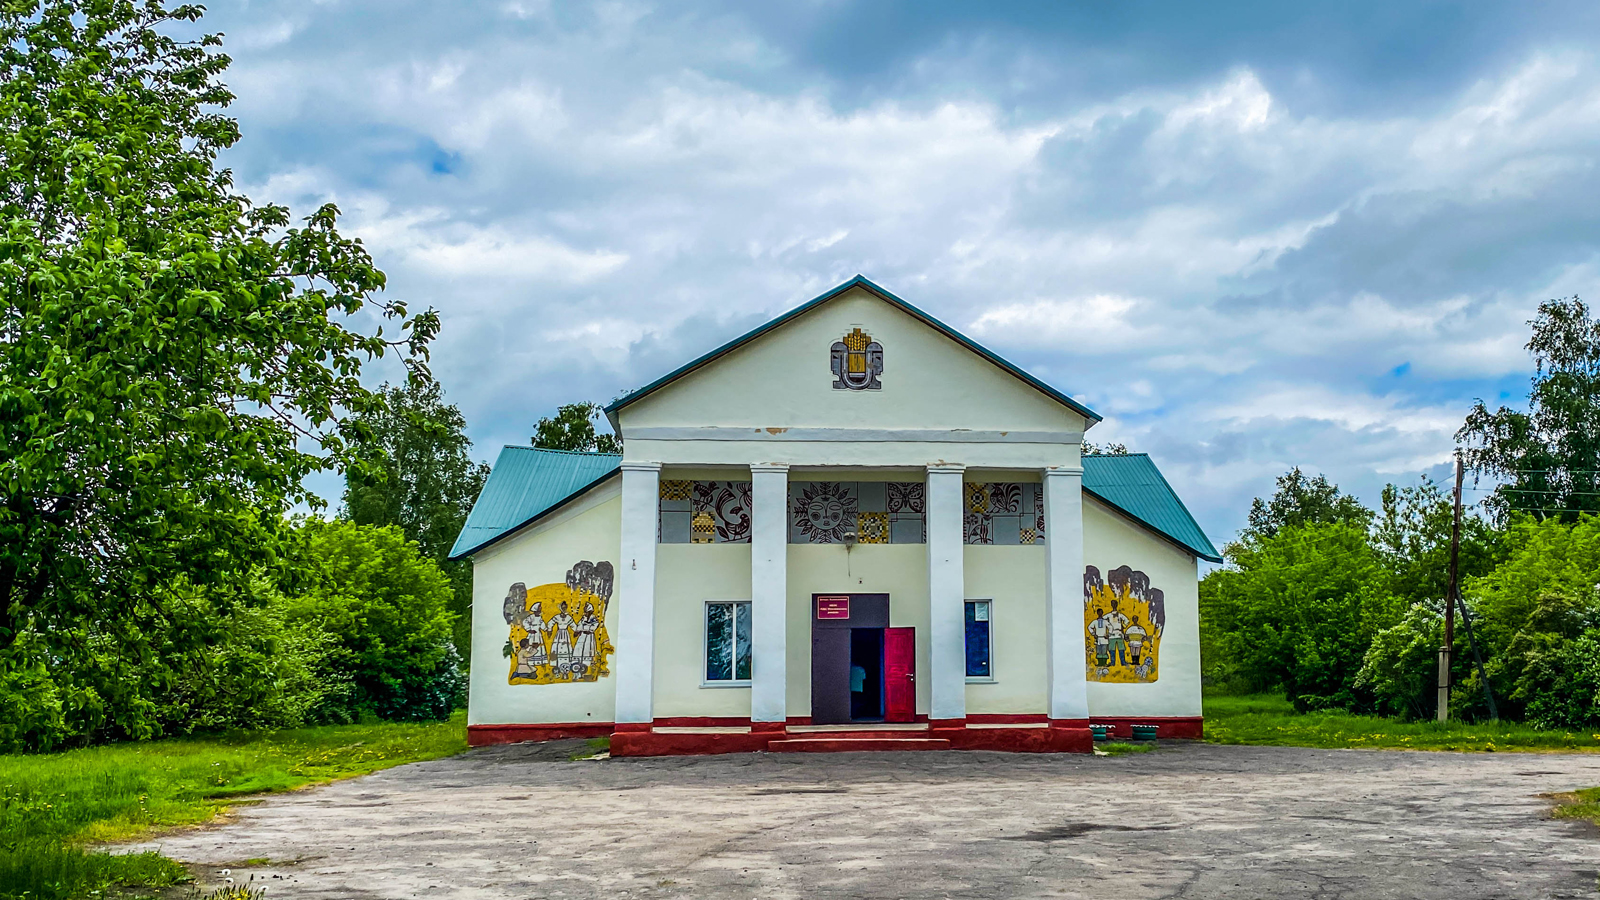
<point x="388" y="609"/>
<point x="1548" y="457"/>
<point x="1107" y="449"/>
<point x="426" y="483"/>
<point x="1412" y="529"/>
<point x="1538" y="616"/>
<point x="173" y="361"/>
<point x="1298" y="609"/>
<point x="1298" y="501"/>
<point x="572" y="428"/>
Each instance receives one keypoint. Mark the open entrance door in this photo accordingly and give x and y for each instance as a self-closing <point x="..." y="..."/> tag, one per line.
<point x="899" y="674"/>
<point x="847" y="656"/>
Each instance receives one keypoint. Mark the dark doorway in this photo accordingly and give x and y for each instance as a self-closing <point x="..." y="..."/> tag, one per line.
<point x="866" y="674"/>
<point x="835" y="621"/>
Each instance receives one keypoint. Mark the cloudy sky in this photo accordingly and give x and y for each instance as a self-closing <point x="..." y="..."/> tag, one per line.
<point x="1251" y="238"/>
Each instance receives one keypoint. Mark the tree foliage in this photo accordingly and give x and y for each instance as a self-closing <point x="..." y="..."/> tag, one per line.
<point x="1549" y="456"/>
<point x="173" y="358"/>
<point x="387" y="608"/>
<point x="1296" y="610"/>
<point x="1350" y="615"/>
<point x="425" y="484"/>
<point x="1300" y="501"/>
<point x="1538" y="618"/>
<point x="572" y="428"/>
<point x="1106" y="449"/>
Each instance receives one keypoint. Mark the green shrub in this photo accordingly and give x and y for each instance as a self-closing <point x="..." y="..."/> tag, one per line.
<point x="1297" y="611"/>
<point x="1401" y="667"/>
<point x="387" y="608"/>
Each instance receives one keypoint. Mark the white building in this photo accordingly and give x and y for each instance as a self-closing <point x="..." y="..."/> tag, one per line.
<point x="852" y="527"/>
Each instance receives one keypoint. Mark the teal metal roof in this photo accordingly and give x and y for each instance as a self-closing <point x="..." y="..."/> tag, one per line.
<point x="861" y="282"/>
<point x="527" y="484"/>
<point x="1132" y="484"/>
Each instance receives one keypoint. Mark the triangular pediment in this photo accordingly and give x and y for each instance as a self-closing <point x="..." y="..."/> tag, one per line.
<point x="856" y="357"/>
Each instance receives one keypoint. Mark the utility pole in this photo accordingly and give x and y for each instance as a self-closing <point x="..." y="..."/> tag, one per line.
<point x="1450" y="599"/>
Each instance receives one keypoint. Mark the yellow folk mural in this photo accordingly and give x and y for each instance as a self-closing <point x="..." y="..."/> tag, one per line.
<point x="558" y="631"/>
<point x="1123" y="617"/>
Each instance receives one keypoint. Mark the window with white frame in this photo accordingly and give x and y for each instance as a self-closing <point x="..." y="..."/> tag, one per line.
<point x="727" y="641"/>
<point x="979" y="642"/>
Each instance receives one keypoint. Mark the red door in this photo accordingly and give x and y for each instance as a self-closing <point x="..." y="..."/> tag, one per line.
<point x="899" y="674"/>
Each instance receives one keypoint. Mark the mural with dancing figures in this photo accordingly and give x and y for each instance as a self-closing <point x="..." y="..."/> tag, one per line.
<point x="1123" y="617"/>
<point x="558" y="631"/>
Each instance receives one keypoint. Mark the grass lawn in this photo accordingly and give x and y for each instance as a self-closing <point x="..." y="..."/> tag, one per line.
<point x="1584" y="804"/>
<point x="1269" y="719"/>
<point x="52" y="806"/>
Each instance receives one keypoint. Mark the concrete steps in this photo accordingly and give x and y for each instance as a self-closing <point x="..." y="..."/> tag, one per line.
<point x="858" y="743"/>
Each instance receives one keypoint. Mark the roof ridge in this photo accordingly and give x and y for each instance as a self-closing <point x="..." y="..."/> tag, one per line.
<point x="594" y="453"/>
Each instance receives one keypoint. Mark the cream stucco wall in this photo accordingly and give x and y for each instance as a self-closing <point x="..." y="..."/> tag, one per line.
<point x="1013" y="579"/>
<point x="899" y="570"/>
<point x="690" y="574"/>
<point x="1111" y="539"/>
<point x="687" y="575"/>
<point x="588" y="529"/>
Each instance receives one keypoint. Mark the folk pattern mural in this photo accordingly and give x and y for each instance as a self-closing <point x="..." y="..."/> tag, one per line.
<point x="878" y="512"/>
<point x="1003" y="513"/>
<point x="857" y="361"/>
<point x="558" y="631"/>
<point x="705" y="512"/>
<point x="1123" y="619"/>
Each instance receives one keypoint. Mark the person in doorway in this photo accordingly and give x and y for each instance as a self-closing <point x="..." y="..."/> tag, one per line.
<point x="859" y="707"/>
<point x="1116" y="635"/>
<point x="1101" y="635"/>
<point x="1136" y="636"/>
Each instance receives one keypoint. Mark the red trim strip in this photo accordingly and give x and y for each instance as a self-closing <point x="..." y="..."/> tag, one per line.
<point x="701" y="721"/>
<point x="1007" y="718"/>
<point x="1188" y="727"/>
<point x="487" y="735"/>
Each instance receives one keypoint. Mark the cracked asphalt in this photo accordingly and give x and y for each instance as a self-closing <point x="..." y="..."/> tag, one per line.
<point x="1187" y="820"/>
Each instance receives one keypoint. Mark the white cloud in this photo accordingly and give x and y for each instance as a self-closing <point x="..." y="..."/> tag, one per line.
<point x="1243" y="284"/>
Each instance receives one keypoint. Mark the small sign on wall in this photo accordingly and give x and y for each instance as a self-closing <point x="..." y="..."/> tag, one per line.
<point x="833" y="607"/>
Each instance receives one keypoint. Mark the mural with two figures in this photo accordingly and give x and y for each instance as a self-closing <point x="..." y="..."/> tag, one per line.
<point x="558" y="631"/>
<point x="1123" y="617"/>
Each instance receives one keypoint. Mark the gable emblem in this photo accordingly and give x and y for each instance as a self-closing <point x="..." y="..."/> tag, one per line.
<point x="857" y="361"/>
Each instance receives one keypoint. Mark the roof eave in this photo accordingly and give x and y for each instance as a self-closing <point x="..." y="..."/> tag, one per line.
<point x="1182" y="545"/>
<point x="547" y="511"/>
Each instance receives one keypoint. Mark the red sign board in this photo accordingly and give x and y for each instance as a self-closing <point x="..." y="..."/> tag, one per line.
<point x="833" y="607"/>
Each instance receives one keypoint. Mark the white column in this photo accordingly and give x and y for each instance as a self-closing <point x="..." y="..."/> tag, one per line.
<point x="947" y="592"/>
<point x="769" y="592"/>
<point x="636" y="592"/>
<point x="1063" y="592"/>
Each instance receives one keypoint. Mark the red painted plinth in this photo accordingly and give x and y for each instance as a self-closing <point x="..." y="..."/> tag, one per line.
<point x="486" y="735"/>
<point x="812" y="743"/>
<point x="1026" y="740"/>
<point x="1187" y="727"/>
<point x="654" y="743"/>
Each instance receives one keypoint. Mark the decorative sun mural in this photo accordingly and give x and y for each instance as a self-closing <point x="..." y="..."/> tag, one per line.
<point x="824" y="511"/>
